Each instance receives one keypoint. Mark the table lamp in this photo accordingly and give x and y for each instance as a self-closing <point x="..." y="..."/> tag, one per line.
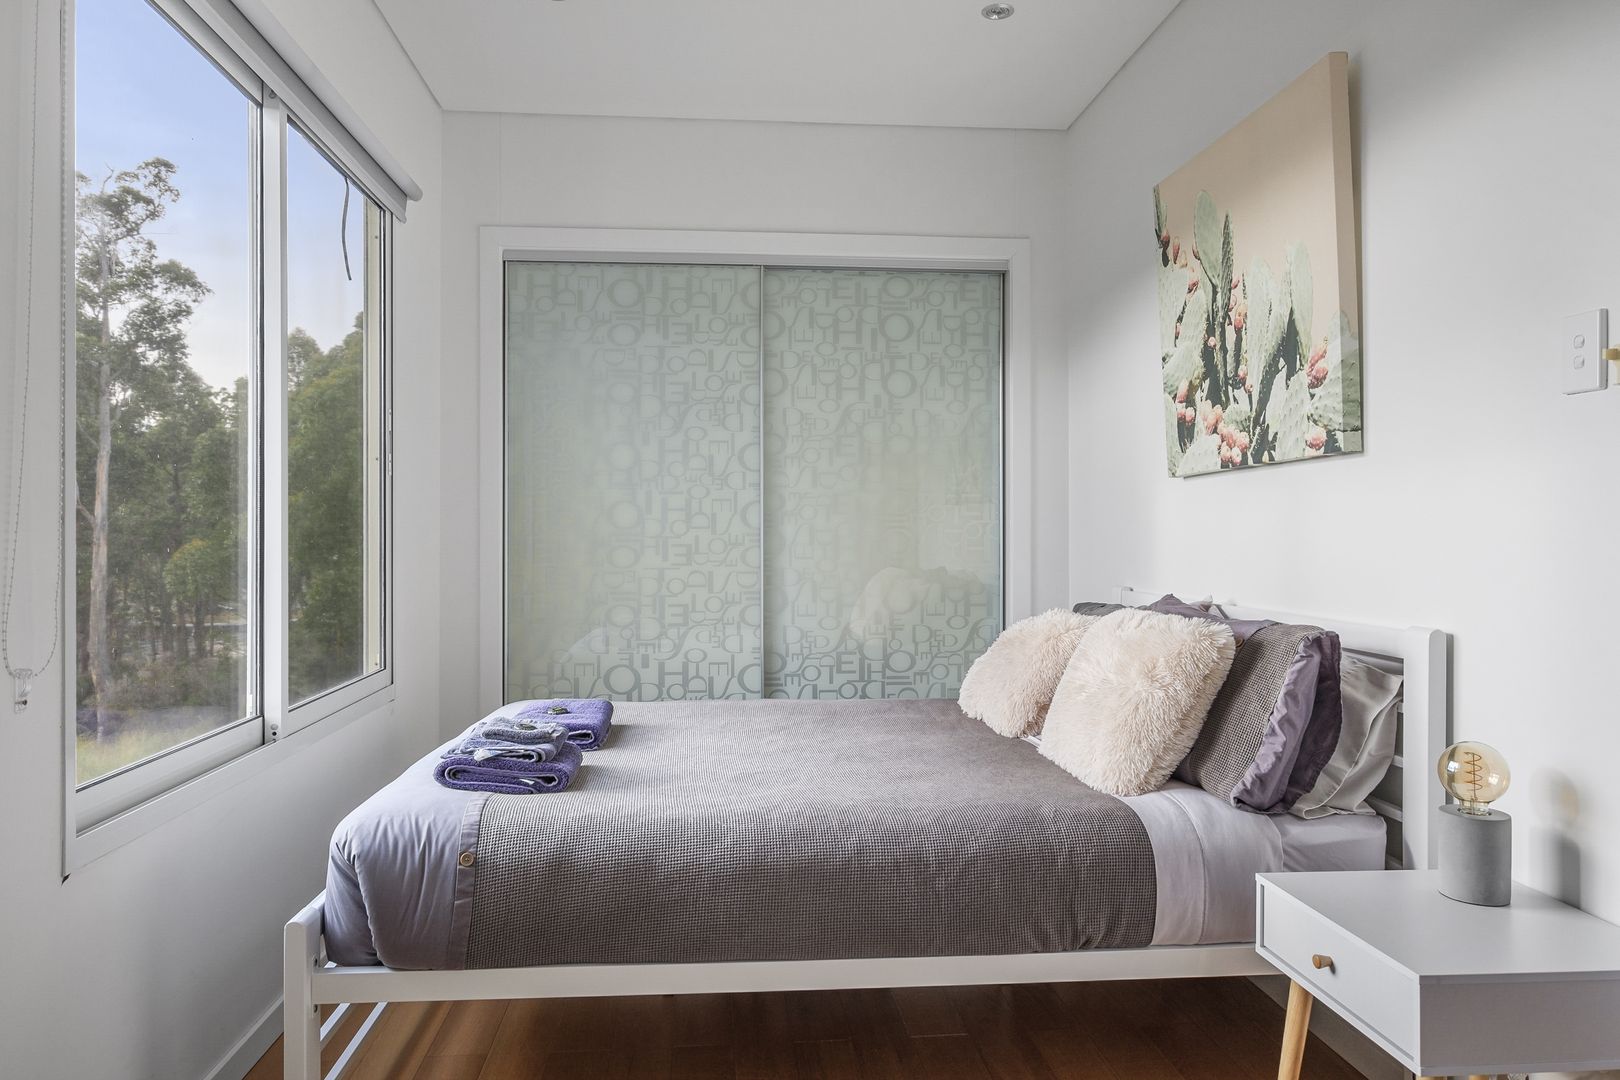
<point x="1476" y="842"/>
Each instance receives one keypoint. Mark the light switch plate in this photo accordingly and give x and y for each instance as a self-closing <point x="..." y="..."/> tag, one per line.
<point x="1580" y="352"/>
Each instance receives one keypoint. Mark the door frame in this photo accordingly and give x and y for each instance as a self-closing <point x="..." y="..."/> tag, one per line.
<point x="500" y="244"/>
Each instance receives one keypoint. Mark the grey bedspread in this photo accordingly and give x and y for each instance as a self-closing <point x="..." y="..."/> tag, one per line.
<point x="759" y="830"/>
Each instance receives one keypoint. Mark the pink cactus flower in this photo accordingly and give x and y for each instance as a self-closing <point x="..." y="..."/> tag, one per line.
<point x="1320" y="353"/>
<point x="1192" y="282"/>
<point x="1164" y="238"/>
<point x="1316" y="440"/>
<point x="1181" y="393"/>
<point x="1242" y="443"/>
<point x="1317" y="375"/>
<point x="1187" y="416"/>
<point x="1211" y="342"/>
<point x="1237" y="282"/>
<point x="1212" y="420"/>
<point x="1248" y="387"/>
<point x="1243" y="372"/>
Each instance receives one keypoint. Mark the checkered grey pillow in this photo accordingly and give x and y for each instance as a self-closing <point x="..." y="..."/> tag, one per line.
<point x="1275" y="722"/>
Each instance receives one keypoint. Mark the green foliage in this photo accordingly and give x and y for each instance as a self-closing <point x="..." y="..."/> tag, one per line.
<point x="162" y="464"/>
<point x="1172" y="432"/>
<point x="1185" y="362"/>
<point x="1206" y="230"/>
<point x="326" y="533"/>
<point x="1300" y="294"/>
<point x="1160" y="237"/>
<point x="1343" y="343"/>
<point x="1263" y="330"/>
<point x="1172" y="302"/>
<point x="1202" y="456"/>
<point x="1290" y="415"/>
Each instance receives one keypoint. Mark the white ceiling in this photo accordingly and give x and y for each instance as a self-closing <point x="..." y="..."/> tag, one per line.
<point x="926" y="62"/>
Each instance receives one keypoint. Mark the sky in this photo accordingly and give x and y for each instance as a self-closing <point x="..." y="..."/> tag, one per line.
<point x="144" y="91"/>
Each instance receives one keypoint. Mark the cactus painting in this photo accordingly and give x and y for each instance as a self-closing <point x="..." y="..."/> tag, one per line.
<point x="1259" y="357"/>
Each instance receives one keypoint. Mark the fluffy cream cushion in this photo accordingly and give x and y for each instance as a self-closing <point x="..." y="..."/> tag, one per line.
<point x="1011" y="684"/>
<point x="1132" y="701"/>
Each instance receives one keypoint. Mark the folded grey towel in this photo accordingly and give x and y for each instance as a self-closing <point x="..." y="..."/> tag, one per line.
<point x="523" y="732"/>
<point x="538" y="745"/>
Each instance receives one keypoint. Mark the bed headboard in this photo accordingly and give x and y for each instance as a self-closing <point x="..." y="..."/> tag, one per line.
<point x="1411" y="791"/>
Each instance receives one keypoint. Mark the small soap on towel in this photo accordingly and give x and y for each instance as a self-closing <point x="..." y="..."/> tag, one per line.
<point x="588" y="720"/>
<point x="508" y="775"/>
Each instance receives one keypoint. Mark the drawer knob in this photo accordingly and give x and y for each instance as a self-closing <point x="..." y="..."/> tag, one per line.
<point x="1318" y="961"/>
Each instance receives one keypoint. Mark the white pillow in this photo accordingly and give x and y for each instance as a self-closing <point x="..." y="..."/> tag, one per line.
<point x="1134" y="697"/>
<point x="1366" y="743"/>
<point x="1013" y="681"/>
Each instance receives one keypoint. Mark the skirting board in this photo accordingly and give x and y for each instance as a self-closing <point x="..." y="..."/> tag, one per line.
<point x="1358" y="1051"/>
<point x="240" y="1059"/>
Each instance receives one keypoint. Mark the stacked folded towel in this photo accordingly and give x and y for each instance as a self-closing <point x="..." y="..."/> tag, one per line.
<point x="527" y="748"/>
<point x="588" y="720"/>
<point x="496" y="737"/>
<point x="506" y="771"/>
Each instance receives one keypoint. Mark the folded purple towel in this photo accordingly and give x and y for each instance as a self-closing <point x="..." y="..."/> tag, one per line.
<point x="510" y="776"/>
<point x="588" y="720"/>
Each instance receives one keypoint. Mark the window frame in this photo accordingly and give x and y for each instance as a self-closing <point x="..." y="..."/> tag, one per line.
<point x="110" y="810"/>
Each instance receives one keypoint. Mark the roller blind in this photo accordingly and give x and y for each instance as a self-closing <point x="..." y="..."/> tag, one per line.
<point x="270" y="53"/>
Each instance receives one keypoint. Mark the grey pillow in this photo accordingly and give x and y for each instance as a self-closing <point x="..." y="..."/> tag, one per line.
<point x="1276" y="720"/>
<point x="1366" y="745"/>
<point x="1167" y="604"/>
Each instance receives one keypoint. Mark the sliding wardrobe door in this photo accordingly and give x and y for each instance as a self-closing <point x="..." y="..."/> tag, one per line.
<point x="632" y="481"/>
<point x="883" y="535"/>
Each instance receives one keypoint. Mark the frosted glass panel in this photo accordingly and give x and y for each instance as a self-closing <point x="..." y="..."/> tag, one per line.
<point x="633" y="481"/>
<point x="882" y="480"/>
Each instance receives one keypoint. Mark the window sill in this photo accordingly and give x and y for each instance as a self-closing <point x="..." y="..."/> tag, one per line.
<point x="82" y="848"/>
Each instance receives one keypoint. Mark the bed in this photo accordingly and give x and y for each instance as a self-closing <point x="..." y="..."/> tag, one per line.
<point x="778" y="845"/>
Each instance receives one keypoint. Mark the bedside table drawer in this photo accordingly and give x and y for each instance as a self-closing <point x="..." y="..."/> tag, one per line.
<point x="1359" y="980"/>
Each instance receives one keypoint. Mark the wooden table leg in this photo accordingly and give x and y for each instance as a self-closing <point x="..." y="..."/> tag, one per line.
<point x="1295" y="1030"/>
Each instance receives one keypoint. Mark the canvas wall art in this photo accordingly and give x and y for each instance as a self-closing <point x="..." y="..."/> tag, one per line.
<point x="1258" y="304"/>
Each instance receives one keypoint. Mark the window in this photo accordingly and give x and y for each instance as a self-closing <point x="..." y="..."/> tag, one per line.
<point x="334" y="437"/>
<point x="744" y="481"/>
<point x="212" y="613"/>
<point x="165" y="266"/>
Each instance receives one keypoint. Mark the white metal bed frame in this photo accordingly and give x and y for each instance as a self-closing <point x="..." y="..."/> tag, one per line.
<point x="310" y="981"/>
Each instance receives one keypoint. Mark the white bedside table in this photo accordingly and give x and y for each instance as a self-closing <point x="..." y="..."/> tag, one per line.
<point x="1447" y="988"/>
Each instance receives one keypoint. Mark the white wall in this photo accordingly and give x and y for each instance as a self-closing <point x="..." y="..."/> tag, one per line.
<point x="152" y="961"/>
<point x="1486" y="503"/>
<point x="532" y="170"/>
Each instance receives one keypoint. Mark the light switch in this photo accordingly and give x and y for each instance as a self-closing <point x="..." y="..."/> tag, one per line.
<point x="1585" y="337"/>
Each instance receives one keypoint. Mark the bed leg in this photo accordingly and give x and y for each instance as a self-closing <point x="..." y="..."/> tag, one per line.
<point x="301" y="1017"/>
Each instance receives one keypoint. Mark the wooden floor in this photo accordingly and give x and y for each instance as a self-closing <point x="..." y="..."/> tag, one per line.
<point x="1182" y="1029"/>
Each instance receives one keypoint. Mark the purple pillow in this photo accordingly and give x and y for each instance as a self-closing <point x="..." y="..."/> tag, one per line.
<point x="1275" y="723"/>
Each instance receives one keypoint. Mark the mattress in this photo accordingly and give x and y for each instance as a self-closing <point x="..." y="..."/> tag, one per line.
<point x="779" y="830"/>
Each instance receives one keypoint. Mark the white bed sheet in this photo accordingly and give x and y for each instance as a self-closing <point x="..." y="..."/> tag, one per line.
<point x="1207" y="851"/>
